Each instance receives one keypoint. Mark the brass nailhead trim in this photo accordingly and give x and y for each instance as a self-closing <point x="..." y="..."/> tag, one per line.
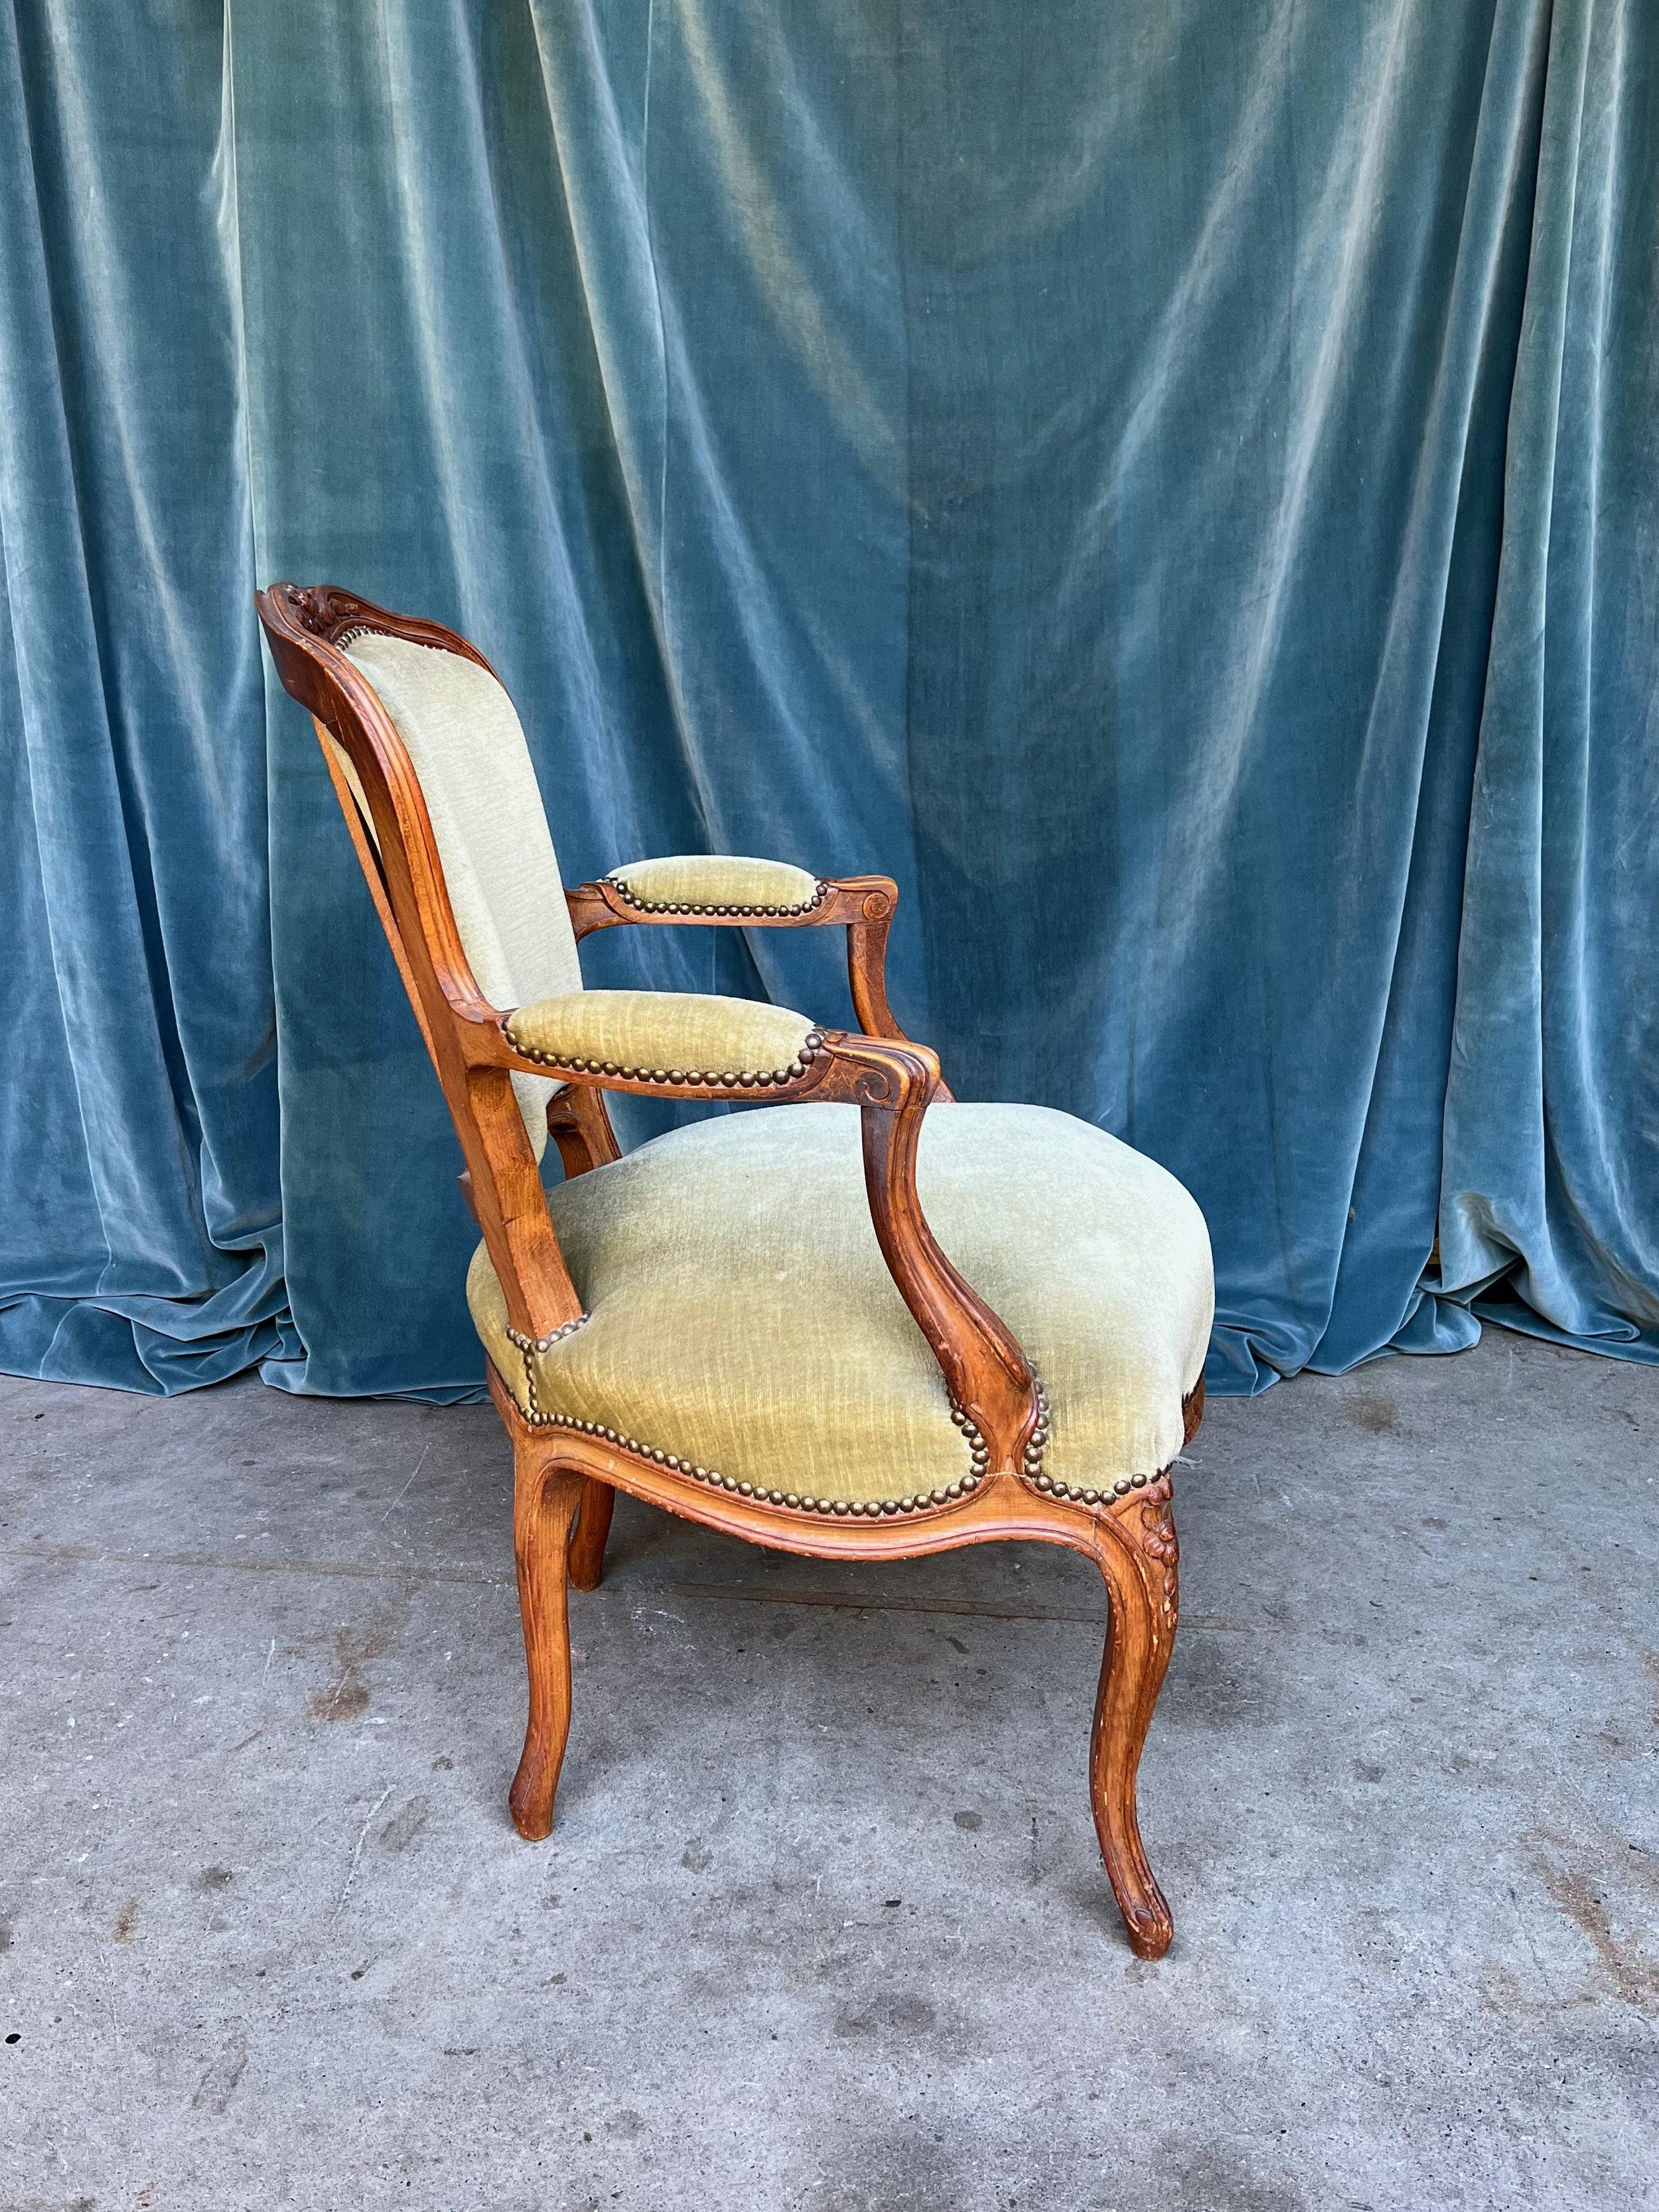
<point x="1036" y="1443"/>
<point x="727" y="1078"/>
<point x="531" y="1344"/>
<point x="871" y="1508"/>
<point x="619" y="884"/>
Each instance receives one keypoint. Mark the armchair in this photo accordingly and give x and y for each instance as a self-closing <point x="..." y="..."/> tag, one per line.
<point x="880" y="1325"/>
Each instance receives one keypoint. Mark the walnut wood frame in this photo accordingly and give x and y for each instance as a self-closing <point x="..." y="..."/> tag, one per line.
<point x="565" y="1478"/>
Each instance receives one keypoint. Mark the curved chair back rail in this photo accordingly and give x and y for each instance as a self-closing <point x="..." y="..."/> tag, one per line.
<point x="566" y="1470"/>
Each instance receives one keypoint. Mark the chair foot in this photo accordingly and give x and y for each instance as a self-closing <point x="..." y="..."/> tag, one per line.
<point x="1138" y="1556"/>
<point x="546" y="1498"/>
<point x="593" y="1527"/>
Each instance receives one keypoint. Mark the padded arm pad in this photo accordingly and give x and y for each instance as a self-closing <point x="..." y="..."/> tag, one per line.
<point x="717" y="883"/>
<point x="665" y="1037"/>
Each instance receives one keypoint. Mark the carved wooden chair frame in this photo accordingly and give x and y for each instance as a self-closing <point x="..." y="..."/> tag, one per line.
<point x="566" y="1472"/>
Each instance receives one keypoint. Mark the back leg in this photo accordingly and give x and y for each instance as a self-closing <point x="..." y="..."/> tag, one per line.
<point x="1137" y="1555"/>
<point x="593" y="1527"/>
<point x="545" y="1500"/>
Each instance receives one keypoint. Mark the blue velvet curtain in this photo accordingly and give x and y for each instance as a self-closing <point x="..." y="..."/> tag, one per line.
<point x="1173" y="483"/>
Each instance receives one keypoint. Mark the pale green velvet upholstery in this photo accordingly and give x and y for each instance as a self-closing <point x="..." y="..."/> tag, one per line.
<point x="718" y="883"/>
<point x="741" y="1317"/>
<point x="464" y="738"/>
<point x="666" y="1035"/>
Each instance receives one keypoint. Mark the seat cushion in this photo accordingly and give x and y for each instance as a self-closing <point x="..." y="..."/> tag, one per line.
<point x="741" y="1318"/>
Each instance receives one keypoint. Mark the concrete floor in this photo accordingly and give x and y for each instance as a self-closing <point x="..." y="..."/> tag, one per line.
<point x="821" y="1925"/>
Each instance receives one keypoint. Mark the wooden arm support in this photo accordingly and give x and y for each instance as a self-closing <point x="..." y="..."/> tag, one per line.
<point x="892" y="1083"/>
<point x="863" y="905"/>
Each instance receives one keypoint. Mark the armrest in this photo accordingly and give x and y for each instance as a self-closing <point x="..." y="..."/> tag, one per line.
<point x="666" y="1038"/>
<point x="717" y="883"/>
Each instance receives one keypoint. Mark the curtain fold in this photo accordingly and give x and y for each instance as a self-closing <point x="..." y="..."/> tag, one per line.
<point x="138" y="1132"/>
<point x="1174" y="485"/>
<point x="1550" y="1210"/>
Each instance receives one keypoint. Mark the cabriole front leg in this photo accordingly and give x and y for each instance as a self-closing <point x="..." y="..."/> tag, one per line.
<point x="1137" y="1553"/>
<point x="546" y="1498"/>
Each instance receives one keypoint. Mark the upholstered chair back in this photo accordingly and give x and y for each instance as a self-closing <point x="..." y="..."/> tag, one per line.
<point x="467" y="747"/>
